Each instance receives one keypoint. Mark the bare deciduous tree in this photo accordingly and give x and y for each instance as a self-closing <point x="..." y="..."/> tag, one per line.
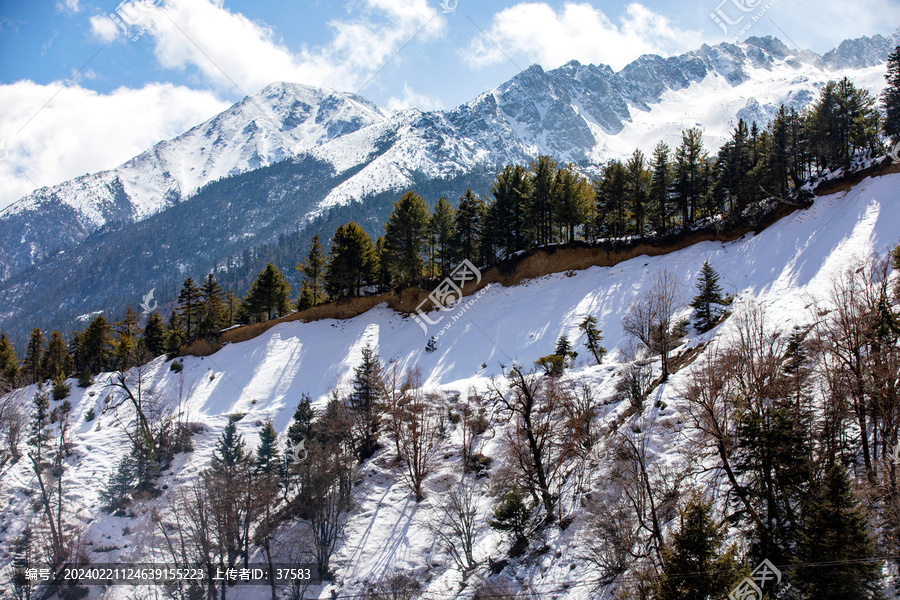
<point x="650" y="318"/>
<point x="418" y="437"/>
<point x="12" y="425"/>
<point x="857" y="344"/>
<point x="458" y="526"/>
<point x="326" y="479"/>
<point x="537" y="440"/>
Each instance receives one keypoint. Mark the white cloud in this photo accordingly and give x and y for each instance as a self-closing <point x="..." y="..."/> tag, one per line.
<point x="534" y="30"/>
<point x="68" y="6"/>
<point x="229" y="50"/>
<point x="104" y="28"/>
<point x="413" y="99"/>
<point x="81" y="131"/>
<point x="823" y="24"/>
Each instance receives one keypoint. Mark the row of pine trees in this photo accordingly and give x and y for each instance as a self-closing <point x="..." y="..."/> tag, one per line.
<point x="541" y="203"/>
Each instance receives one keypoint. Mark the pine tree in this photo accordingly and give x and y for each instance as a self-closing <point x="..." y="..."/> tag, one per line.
<point x="312" y="291"/>
<point x="268" y="297"/>
<point x="694" y="566"/>
<point x="841" y="121"/>
<point x="506" y="224"/>
<point x="188" y="307"/>
<point x="610" y="192"/>
<point x="366" y="400"/>
<point x="230" y="451"/>
<point x="57" y="362"/>
<point x="40" y="422"/>
<point x="381" y="275"/>
<point x="660" y="186"/>
<point x="734" y="164"/>
<point x="709" y="295"/>
<point x="154" y="339"/>
<point x="175" y="334"/>
<point x="229" y="480"/>
<point x="9" y="363"/>
<point x="594" y="337"/>
<point x="211" y="307"/>
<point x="836" y="532"/>
<point x="120" y="483"/>
<point x="890" y="97"/>
<point x="512" y="514"/>
<point x="689" y="159"/>
<point x="772" y="460"/>
<point x="405" y="238"/>
<point x="302" y="422"/>
<point x="95" y="347"/>
<point x="639" y="179"/>
<point x="555" y="364"/>
<point x="468" y="228"/>
<point x="126" y="344"/>
<point x="539" y="201"/>
<point x="564" y="348"/>
<point x="352" y="262"/>
<point x="442" y="230"/>
<point x="780" y="160"/>
<point x="571" y="201"/>
<point x="232" y="306"/>
<point x="267" y="450"/>
<point x="299" y="432"/>
<point x="31" y="366"/>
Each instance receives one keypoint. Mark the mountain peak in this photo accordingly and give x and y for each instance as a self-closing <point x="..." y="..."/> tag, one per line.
<point x="770" y="44"/>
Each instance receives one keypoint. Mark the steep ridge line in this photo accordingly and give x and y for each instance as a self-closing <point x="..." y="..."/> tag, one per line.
<point x="539" y="262"/>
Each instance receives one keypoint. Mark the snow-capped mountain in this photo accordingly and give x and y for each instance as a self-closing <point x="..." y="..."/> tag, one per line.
<point x="260" y="130"/>
<point x="579" y="113"/>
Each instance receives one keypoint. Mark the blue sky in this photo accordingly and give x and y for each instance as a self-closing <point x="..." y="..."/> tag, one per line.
<point x="86" y="84"/>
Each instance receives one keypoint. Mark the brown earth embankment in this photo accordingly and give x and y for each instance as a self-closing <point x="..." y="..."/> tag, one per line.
<point x="546" y="260"/>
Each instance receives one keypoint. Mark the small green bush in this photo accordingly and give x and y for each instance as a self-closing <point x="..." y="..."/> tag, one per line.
<point x="85" y="378"/>
<point x="61" y="389"/>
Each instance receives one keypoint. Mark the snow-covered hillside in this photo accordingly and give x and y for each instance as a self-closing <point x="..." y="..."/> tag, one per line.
<point x="783" y="269"/>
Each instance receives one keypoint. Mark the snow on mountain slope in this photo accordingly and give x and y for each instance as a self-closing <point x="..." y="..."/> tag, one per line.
<point x="577" y="113"/>
<point x="259" y="130"/>
<point x="279" y="122"/>
<point x="783" y="268"/>
<point x="588" y="114"/>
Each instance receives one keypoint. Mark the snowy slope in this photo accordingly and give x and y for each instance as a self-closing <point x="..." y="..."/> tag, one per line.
<point x="782" y="268"/>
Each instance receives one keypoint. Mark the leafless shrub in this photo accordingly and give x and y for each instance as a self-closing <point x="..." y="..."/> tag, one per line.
<point x="635" y="379"/>
<point x="500" y="588"/>
<point x="399" y="585"/>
